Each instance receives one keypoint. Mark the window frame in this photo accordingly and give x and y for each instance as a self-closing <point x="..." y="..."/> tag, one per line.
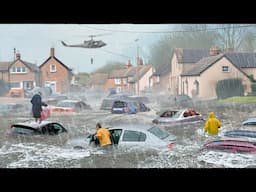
<point x="225" y="69"/>
<point x="51" y="68"/>
<point x="141" y="138"/>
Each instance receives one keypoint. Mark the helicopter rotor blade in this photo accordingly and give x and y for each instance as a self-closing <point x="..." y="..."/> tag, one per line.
<point x="103" y="34"/>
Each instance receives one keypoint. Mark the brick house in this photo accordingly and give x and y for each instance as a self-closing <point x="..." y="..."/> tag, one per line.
<point x="20" y="74"/>
<point x="55" y="74"/>
<point x="125" y="80"/>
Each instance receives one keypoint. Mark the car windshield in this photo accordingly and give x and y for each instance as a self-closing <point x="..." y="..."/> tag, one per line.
<point x="161" y="134"/>
<point x="176" y="115"/>
<point x="120" y="104"/>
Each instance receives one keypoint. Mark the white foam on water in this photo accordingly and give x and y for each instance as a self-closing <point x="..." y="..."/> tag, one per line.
<point x="41" y="155"/>
<point x="228" y="159"/>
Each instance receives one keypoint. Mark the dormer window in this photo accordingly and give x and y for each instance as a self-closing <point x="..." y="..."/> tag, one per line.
<point x="53" y="68"/>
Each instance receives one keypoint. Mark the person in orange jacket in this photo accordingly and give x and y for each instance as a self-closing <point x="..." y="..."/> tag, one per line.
<point x="103" y="135"/>
<point x="212" y="125"/>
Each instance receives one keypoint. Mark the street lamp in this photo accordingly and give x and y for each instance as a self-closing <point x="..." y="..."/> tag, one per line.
<point x="137" y="69"/>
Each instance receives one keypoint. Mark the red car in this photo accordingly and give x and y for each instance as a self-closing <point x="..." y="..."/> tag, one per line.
<point x="70" y="106"/>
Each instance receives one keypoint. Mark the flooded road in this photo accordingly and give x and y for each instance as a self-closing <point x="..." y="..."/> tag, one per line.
<point x="53" y="152"/>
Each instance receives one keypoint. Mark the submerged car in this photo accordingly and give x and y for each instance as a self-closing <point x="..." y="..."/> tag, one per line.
<point x="140" y="136"/>
<point x="33" y="128"/>
<point x="231" y="145"/>
<point x="47" y="132"/>
<point x="174" y="117"/>
<point x="129" y="107"/>
<point x="251" y="121"/>
<point x="70" y="106"/>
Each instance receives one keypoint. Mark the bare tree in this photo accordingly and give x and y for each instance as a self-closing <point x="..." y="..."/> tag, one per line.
<point x="231" y="36"/>
<point x="186" y="36"/>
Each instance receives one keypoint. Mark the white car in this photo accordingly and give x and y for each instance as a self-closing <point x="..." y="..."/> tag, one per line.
<point x="132" y="136"/>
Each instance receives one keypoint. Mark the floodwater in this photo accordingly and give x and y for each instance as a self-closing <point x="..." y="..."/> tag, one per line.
<point x="54" y="152"/>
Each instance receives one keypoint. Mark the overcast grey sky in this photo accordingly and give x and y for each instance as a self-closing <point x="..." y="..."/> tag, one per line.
<point x="33" y="41"/>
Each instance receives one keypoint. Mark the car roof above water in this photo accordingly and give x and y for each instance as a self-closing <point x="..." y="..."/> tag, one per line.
<point x="133" y="126"/>
<point x="33" y="124"/>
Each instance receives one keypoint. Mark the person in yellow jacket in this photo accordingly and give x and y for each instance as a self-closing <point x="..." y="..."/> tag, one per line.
<point x="212" y="125"/>
<point x="103" y="135"/>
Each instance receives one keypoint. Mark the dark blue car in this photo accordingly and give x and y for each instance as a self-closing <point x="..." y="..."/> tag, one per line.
<point x="124" y="107"/>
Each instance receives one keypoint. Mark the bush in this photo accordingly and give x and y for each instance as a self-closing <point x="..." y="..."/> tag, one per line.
<point x="229" y="88"/>
<point x="3" y="88"/>
<point x="253" y="86"/>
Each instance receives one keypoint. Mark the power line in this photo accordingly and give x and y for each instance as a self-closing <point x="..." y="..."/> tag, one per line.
<point x="197" y="30"/>
<point x="114" y="53"/>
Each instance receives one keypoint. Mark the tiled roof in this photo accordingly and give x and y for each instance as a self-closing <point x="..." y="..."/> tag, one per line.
<point x="190" y="55"/>
<point x="4" y="65"/>
<point x="130" y="72"/>
<point x="98" y="78"/>
<point x="202" y="65"/>
<point x="118" y="73"/>
<point x="163" y="69"/>
<point x="32" y="66"/>
<point x="242" y="60"/>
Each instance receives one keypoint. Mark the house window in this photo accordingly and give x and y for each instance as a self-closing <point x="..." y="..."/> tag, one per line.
<point x="117" y="81"/>
<point x="124" y="81"/>
<point x="197" y="87"/>
<point x="27" y="84"/>
<point x="23" y="69"/>
<point x="18" y="70"/>
<point x="53" y="68"/>
<point x="157" y="79"/>
<point x="225" y="69"/>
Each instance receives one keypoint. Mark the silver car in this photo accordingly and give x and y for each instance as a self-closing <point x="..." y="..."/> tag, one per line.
<point x="176" y="117"/>
<point x="132" y="136"/>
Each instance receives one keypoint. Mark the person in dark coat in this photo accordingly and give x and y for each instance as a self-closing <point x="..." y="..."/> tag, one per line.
<point x="37" y="106"/>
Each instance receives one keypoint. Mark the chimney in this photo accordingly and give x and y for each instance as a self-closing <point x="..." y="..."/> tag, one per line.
<point x="128" y="65"/>
<point x="141" y="61"/>
<point x="214" y="50"/>
<point x="18" y="56"/>
<point x="52" y="52"/>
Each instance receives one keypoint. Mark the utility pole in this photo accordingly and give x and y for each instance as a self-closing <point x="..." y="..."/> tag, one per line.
<point x="137" y="69"/>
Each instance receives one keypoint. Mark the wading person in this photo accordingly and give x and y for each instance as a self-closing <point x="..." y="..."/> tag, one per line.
<point x="37" y="106"/>
<point x="104" y="136"/>
<point x="212" y="125"/>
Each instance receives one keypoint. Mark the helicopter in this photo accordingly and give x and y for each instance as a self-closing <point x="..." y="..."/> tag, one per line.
<point x="90" y="44"/>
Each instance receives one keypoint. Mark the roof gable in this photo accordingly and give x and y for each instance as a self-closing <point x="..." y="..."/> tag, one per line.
<point x="202" y="65"/>
<point x="57" y="61"/>
<point x="207" y="62"/>
<point x="33" y="67"/>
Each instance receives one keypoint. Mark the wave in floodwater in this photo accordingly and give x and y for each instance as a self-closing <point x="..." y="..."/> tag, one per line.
<point x="31" y="155"/>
